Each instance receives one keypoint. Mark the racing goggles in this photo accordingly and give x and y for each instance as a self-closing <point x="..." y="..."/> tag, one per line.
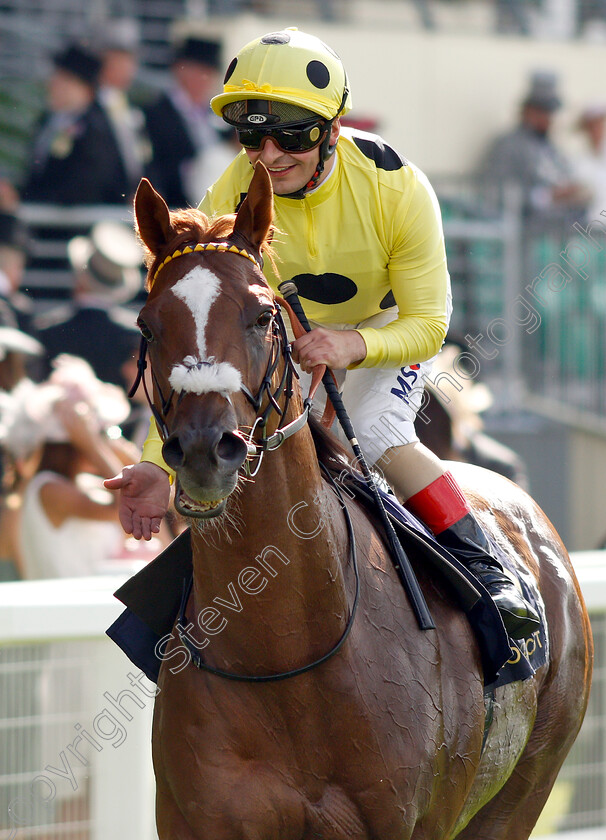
<point x="292" y="140"/>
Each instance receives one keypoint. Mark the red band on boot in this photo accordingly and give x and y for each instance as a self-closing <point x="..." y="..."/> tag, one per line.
<point x="440" y="504"/>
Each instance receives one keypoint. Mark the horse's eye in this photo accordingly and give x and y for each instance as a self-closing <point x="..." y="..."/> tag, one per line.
<point x="265" y="319"/>
<point x="145" y="331"/>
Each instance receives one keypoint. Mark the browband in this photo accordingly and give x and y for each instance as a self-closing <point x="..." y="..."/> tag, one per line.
<point x="223" y="247"/>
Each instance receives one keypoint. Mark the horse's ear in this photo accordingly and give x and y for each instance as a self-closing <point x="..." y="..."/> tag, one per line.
<point x="152" y="216"/>
<point x="255" y="215"/>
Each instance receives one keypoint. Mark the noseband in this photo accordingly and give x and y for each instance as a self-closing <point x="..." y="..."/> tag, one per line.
<point x="280" y="350"/>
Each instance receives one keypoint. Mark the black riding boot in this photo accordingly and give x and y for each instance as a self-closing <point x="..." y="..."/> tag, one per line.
<point x="466" y="540"/>
<point x="443" y="507"/>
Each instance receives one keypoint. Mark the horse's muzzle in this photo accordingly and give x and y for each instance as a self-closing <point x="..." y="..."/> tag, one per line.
<point x="206" y="461"/>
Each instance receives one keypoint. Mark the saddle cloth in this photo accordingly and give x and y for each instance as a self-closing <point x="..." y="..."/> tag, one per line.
<point x="153" y="598"/>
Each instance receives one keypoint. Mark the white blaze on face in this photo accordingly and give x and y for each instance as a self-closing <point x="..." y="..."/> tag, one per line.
<point x="198" y="290"/>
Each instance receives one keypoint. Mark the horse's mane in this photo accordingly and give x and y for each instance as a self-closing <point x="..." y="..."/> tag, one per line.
<point x="191" y="225"/>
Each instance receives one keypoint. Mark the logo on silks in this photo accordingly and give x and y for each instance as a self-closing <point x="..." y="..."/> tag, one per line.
<point x="256" y="118"/>
<point x="406" y="379"/>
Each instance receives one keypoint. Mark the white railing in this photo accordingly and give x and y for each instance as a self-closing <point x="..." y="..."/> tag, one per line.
<point x="75" y="717"/>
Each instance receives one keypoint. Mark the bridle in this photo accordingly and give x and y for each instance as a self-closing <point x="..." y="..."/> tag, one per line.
<point x="256" y="448"/>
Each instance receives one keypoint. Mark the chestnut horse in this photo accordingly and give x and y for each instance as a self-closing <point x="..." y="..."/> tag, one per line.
<point x="304" y="718"/>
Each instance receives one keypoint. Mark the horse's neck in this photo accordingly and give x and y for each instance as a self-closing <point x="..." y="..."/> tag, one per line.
<point x="276" y="574"/>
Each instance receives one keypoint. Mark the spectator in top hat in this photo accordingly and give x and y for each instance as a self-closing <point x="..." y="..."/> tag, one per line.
<point x="74" y="157"/>
<point x="119" y="49"/>
<point x="528" y="156"/>
<point x="96" y="325"/>
<point x="180" y="124"/>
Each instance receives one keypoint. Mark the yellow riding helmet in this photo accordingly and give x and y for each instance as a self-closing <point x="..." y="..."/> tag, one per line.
<point x="287" y="66"/>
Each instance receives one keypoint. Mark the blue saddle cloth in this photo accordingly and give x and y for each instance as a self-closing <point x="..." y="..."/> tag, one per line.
<point x="153" y="598"/>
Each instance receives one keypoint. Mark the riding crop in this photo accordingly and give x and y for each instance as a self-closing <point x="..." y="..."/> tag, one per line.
<point x="401" y="562"/>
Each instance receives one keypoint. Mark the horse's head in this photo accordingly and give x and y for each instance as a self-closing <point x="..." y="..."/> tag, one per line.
<point x="212" y="336"/>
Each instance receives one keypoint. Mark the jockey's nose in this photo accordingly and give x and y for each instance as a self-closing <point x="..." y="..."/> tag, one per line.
<point x="270" y="150"/>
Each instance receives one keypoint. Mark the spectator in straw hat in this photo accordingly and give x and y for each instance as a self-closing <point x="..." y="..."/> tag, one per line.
<point x="74" y="157"/>
<point x="16" y="347"/>
<point x="16" y="307"/>
<point x="96" y="325"/>
<point x="57" y="431"/>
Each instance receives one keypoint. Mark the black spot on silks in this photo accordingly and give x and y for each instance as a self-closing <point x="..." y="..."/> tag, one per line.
<point x="383" y="155"/>
<point x="318" y="74"/>
<point x="325" y="288"/>
<point x="388" y="301"/>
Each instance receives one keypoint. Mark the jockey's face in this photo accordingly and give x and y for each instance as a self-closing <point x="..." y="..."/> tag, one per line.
<point x="290" y="171"/>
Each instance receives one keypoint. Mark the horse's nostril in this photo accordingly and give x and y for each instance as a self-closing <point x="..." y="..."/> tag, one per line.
<point x="231" y="449"/>
<point x="173" y="453"/>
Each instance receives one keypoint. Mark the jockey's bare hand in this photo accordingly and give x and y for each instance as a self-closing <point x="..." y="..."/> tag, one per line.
<point x="337" y="349"/>
<point x="144" y="498"/>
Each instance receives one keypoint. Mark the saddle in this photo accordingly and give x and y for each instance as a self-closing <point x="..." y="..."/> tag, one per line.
<point x="153" y="598"/>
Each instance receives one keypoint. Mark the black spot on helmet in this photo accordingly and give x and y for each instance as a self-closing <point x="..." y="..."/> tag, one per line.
<point x="318" y="74"/>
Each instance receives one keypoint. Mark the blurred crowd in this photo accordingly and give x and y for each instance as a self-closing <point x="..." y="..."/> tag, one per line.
<point x="557" y="189"/>
<point x="65" y="422"/>
<point x="65" y="369"/>
<point x="92" y="143"/>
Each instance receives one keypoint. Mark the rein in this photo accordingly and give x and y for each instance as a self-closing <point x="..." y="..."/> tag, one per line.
<point x="184" y="627"/>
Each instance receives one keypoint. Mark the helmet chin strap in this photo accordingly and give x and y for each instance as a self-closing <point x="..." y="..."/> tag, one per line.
<point x="326" y="150"/>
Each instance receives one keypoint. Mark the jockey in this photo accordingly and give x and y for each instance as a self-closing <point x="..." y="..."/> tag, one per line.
<point x="360" y="234"/>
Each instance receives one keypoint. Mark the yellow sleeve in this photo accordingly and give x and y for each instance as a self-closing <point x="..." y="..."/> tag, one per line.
<point x="420" y="283"/>
<point x="152" y="448"/>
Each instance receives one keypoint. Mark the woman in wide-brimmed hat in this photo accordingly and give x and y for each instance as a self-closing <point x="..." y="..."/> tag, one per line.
<point x="59" y="432"/>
